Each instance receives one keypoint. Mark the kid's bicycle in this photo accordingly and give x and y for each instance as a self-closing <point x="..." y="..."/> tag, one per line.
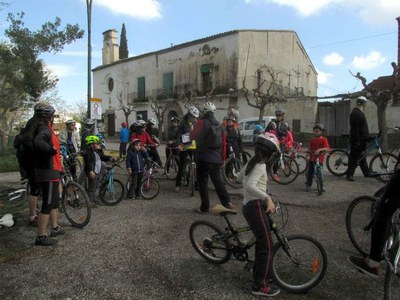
<point x="284" y="166"/>
<point x="150" y="186"/>
<point x="172" y="164"/>
<point x="231" y="169"/>
<point x="298" y="262"/>
<point x="302" y="160"/>
<point x="111" y="190"/>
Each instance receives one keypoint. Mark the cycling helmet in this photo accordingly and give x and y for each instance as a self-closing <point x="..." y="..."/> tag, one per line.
<point x="43" y="110"/>
<point x="134" y="141"/>
<point x="92" y="139"/>
<point x="124" y="124"/>
<point x="231" y="118"/>
<point x="258" y="128"/>
<point x="319" y="126"/>
<point x="152" y="121"/>
<point x="267" y="142"/>
<point x="271" y="126"/>
<point x="70" y="121"/>
<point x="234" y="113"/>
<point x="361" y="100"/>
<point x="142" y="123"/>
<point x="174" y="119"/>
<point x="100" y="136"/>
<point x="193" y="111"/>
<point x="89" y="122"/>
<point x="279" y="112"/>
<point x="209" y="108"/>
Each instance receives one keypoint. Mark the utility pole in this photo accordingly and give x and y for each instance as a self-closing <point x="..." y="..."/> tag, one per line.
<point x="89" y="62"/>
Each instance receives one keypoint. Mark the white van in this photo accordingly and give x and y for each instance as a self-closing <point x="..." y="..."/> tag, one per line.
<point x="246" y="127"/>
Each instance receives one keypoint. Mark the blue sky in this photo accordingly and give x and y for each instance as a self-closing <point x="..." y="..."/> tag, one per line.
<point x="339" y="35"/>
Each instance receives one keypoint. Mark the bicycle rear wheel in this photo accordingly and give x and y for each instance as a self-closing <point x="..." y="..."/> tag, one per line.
<point x="337" y="162"/>
<point x="302" y="162"/>
<point x="392" y="285"/>
<point x="230" y="170"/>
<point x="76" y="204"/>
<point x="320" y="182"/>
<point x="287" y="170"/>
<point x="299" y="264"/>
<point x="209" y="242"/>
<point x="383" y="163"/>
<point x="111" y="193"/>
<point x="358" y="217"/>
<point x="171" y="167"/>
<point x="149" y="189"/>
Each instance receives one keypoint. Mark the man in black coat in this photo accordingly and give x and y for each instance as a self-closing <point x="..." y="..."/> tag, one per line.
<point x="359" y="136"/>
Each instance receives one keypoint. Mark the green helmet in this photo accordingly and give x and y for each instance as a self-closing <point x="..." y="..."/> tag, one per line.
<point x="92" y="139"/>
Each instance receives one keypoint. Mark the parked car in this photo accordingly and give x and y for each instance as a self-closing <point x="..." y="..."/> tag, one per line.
<point x="246" y="127"/>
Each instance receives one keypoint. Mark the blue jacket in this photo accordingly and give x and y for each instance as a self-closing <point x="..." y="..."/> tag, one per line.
<point x="124" y="135"/>
<point x="135" y="160"/>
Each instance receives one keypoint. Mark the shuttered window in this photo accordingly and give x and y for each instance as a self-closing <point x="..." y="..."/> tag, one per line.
<point x="141" y="88"/>
<point x="168" y="82"/>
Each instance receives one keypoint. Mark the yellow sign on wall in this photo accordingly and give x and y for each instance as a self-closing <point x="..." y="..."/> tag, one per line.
<point x="95" y="108"/>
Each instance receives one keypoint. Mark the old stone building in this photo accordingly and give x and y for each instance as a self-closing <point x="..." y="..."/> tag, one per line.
<point x="266" y="61"/>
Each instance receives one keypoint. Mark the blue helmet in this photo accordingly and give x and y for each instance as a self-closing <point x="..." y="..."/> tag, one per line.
<point x="258" y="128"/>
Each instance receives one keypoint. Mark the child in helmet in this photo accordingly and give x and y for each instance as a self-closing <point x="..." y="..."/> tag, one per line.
<point x="135" y="162"/>
<point x="256" y="205"/>
<point x="318" y="145"/>
<point x="94" y="169"/>
<point x="258" y="129"/>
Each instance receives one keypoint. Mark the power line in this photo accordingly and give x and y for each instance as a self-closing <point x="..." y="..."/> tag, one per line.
<point x="352" y="40"/>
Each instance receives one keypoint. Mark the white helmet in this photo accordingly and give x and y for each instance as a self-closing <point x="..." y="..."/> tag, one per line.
<point x="361" y="100"/>
<point x="209" y="108"/>
<point x="234" y="113"/>
<point x="194" y="111"/>
<point x="152" y="121"/>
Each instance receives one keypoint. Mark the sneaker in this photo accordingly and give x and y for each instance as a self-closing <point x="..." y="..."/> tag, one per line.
<point x="33" y="221"/>
<point x="350" y="178"/>
<point x="45" y="241"/>
<point x="57" y="231"/>
<point x="307" y="188"/>
<point x="361" y="265"/>
<point x="269" y="291"/>
<point x="177" y="189"/>
<point x="276" y="177"/>
<point x="137" y="197"/>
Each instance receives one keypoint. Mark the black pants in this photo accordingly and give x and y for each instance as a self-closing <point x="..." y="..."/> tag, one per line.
<point x="182" y="163"/>
<point x="382" y="219"/>
<point x="50" y="196"/>
<point x="255" y="214"/>
<point x="355" y="154"/>
<point x="212" y="170"/>
<point x="136" y="180"/>
<point x="122" y="149"/>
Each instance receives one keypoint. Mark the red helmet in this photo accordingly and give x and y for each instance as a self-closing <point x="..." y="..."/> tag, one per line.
<point x="124" y="124"/>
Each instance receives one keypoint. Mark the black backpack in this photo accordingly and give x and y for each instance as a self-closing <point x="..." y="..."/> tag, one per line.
<point x="213" y="138"/>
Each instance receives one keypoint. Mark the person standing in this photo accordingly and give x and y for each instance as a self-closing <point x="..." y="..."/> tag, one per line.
<point x="135" y="163"/>
<point x="88" y="129"/>
<point x="172" y="141"/>
<point x="71" y="140"/>
<point x="210" y="152"/>
<point x="359" y="136"/>
<point x="281" y="126"/>
<point x="48" y="168"/>
<point x="123" y="138"/>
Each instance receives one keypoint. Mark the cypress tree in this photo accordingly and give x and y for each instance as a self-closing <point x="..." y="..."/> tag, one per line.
<point x="123" y="47"/>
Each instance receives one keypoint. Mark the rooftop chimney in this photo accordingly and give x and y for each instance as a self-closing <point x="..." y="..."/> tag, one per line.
<point x="110" y="47"/>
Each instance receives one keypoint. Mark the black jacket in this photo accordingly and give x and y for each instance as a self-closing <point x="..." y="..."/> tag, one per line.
<point x="359" y="133"/>
<point x="233" y="137"/>
<point x="90" y="161"/>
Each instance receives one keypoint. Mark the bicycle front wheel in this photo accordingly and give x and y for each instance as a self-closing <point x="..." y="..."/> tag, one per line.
<point x="209" y="242"/>
<point x="299" y="264"/>
<point x="392" y="285"/>
<point x="358" y="218"/>
<point x="383" y="163"/>
<point x="171" y="167"/>
<point x="337" y="162"/>
<point x="76" y="204"/>
<point x="111" y="193"/>
<point x="149" y="188"/>
<point x="230" y="170"/>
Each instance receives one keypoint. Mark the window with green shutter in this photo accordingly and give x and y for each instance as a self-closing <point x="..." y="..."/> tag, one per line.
<point x="141" y="90"/>
<point x="168" y="82"/>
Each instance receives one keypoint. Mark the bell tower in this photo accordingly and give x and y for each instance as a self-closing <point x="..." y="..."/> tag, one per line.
<point x="110" y="51"/>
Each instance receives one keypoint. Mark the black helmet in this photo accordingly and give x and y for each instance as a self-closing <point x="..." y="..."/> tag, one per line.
<point x="361" y="100"/>
<point x="279" y="112"/>
<point x="89" y="122"/>
<point x="267" y="143"/>
<point x="43" y="110"/>
<point x="319" y="126"/>
<point x="175" y="119"/>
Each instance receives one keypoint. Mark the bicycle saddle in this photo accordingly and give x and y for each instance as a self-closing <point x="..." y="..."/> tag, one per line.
<point x="221" y="210"/>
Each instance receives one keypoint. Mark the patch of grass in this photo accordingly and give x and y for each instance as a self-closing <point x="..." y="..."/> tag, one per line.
<point x="8" y="161"/>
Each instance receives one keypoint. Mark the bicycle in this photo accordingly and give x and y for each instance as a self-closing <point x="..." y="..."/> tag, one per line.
<point x="301" y="160"/>
<point x="231" y="168"/>
<point x="318" y="174"/>
<point x="69" y="159"/>
<point x="359" y="216"/>
<point x="189" y="173"/>
<point x="337" y="160"/>
<point x="111" y="190"/>
<point x="284" y="166"/>
<point x="172" y="164"/>
<point x="298" y="262"/>
<point x="150" y="186"/>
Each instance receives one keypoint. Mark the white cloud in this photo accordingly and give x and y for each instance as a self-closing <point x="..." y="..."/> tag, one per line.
<point x="333" y="59"/>
<point x="375" y="12"/>
<point x="62" y="70"/>
<point x="141" y="9"/>
<point x="324" y="78"/>
<point x="371" y="61"/>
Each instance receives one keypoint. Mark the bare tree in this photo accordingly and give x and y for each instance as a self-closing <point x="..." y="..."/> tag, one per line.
<point x="124" y="104"/>
<point x="261" y="96"/>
